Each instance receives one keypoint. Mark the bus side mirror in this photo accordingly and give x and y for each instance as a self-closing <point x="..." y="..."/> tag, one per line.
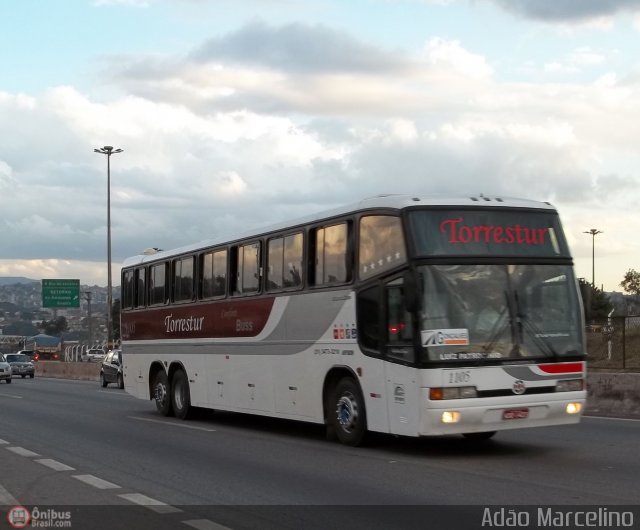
<point x="412" y="292"/>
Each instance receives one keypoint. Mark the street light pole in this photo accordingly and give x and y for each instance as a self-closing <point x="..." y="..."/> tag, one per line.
<point x="594" y="232"/>
<point x="108" y="150"/>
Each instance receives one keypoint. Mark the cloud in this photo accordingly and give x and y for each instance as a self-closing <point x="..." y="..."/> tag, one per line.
<point x="218" y="141"/>
<point x="567" y="10"/>
<point x="295" y="48"/>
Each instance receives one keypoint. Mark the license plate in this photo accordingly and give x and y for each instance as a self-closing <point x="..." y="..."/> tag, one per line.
<point x="515" y="414"/>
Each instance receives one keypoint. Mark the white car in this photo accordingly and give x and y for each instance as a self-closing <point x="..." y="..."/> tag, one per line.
<point x="92" y="355"/>
<point x="5" y="370"/>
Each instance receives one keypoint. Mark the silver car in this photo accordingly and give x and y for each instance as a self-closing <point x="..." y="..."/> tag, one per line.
<point x="21" y="365"/>
<point x="5" y="370"/>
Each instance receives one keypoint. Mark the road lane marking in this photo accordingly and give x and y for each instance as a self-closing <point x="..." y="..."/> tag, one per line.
<point x="120" y="394"/>
<point x="609" y="418"/>
<point x="6" y="499"/>
<point x="22" y="451"/>
<point x="55" y="465"/>
<point x="96" y="482"/>
<point x="3" y="442"/>
<point x="12" y="396"/>
<point x="174" y="424"/>
<point x="148" y="502"/>
<point x="205" y="524"/>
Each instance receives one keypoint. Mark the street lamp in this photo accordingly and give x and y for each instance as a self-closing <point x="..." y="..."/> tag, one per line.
<point x="108" y="150"/>
<point x="594" y="232"/>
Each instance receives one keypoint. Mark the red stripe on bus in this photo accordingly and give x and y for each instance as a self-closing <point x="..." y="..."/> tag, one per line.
<point x="561" y="368"/>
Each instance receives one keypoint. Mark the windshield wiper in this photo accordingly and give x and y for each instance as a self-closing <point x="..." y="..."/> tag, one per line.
<point x="496" y="330"/>
<point x="534" y="331"/>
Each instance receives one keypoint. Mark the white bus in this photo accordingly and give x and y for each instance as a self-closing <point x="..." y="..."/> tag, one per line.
<point x="410" y="316"/>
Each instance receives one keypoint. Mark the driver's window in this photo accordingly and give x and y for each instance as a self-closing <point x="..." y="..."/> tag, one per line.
<point x="399" y="323"/>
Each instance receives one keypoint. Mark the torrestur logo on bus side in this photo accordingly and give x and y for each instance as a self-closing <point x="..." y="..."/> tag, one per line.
<point x="445" y="337"/>
<point x="175" y="325"/>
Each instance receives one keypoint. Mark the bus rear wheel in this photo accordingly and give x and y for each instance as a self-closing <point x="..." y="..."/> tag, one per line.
<point x="180" y="395"/>
<point x="348" y="415"/>
<point x="161" y="393"/>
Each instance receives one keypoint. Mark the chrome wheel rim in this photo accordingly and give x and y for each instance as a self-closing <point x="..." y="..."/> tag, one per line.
<point x="347" y="411"/>
<point x="161" y="393"/>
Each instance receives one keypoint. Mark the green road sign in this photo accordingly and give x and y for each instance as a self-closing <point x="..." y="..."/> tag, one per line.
<point x="60" y="293"/>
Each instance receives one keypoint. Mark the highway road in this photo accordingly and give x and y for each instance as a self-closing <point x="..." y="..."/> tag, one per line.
<point x="108" y="457"/>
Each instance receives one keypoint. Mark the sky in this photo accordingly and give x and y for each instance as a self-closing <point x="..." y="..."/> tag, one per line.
<point x="236" y="114"/>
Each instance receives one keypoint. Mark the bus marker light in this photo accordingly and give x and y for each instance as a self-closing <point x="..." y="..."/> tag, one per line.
<point x="450" y="416"/>
<point x="574" y="408"/>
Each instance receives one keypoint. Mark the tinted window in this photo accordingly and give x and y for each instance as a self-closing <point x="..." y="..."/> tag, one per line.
<point x="157" y="284"/>
<point x="368" y="315"/>
<point x="183" y="275"/>
<point x="381" y="245"/>
<point x="128" y="289"/>
<point x="140" y="287"/>
<point x="214" y="274"/>
<point x="284" y="262"/>
<point x="331" y="255"/>
<point x="248" y="268"/>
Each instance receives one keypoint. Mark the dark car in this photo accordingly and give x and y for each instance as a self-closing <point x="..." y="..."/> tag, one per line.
<point x="111" y="370"/>
<point x="21" y="365"/>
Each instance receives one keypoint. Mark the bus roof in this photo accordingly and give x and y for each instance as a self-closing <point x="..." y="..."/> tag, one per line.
<point x="379" y="202"/>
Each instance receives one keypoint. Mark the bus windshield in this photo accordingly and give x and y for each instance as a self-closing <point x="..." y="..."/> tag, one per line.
<point x="494" y="312"/>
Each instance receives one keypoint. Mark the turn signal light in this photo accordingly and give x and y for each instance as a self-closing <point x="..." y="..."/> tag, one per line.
<point x="453" y="392"/>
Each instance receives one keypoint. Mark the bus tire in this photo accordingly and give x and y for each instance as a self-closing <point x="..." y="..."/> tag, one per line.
<point x="180" y="395"/>
<point x="161" y="393"/>
<point x="348" y="414"/>
<point x="479" y="435"/>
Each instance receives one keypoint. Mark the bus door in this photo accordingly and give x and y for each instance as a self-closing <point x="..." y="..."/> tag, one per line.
<point x="400" y="375"/>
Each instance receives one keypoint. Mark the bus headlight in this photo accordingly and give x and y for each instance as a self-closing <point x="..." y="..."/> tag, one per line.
<point x="450" y="416"/>
<point x="452" y="392"/>
<point x="574" y="408"/>
<point x="570" y="385"/>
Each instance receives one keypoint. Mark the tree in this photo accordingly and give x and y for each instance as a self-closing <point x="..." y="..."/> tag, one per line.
<point x="597" y="305"/>
<point x="631" y="282"/>
<point x="54" y="327"/>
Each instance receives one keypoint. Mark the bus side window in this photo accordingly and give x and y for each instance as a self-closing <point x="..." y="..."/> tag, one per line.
<point x="246" y="269"/>
<point x="332" y="255"/>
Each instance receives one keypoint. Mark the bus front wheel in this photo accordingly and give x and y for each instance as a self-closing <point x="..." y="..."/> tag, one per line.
<point x="180" y="395"/>
<point x="161" y="393"/>
<point x="348" y="414"/>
